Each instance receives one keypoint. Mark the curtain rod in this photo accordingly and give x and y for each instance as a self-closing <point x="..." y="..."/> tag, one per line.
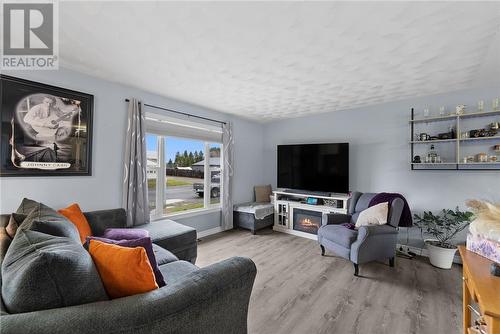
<point x="180" y="112"/>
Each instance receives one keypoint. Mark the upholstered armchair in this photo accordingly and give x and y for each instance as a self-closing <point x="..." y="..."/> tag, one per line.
<point x="366" y="244"/>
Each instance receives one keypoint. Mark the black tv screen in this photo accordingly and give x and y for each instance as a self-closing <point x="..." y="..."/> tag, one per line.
<point x="314" y="167"/>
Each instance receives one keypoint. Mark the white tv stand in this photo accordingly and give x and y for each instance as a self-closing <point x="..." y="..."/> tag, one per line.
<point x="286" y="202"/>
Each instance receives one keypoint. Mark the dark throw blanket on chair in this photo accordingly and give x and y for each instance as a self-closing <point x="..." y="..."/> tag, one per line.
<point x="406" y="219"/>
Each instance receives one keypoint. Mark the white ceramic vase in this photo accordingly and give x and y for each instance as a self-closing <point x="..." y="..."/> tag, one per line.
<point x="440" y="257"/>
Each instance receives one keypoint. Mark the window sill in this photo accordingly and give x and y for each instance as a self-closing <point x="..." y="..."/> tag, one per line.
<point x="188" y="214"/>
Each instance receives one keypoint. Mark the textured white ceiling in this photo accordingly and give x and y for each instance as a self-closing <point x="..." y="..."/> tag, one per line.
<point x="271" y="60"/>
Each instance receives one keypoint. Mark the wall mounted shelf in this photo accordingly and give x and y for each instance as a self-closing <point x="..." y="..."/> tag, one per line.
<point x="480" y="138"/>
<point x="434" y="119"/>
<point x="454" y="116"/>
<point x="433" y="141"/>
<point x="460" y="145"/>
<point x="433" y="163"/>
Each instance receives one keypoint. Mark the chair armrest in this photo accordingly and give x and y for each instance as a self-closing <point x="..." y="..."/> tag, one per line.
<point x="335" y="218"/>
<point x="367" y="231"/>
<point x="215" y="297"/>
<point x="100" y="220"/>
<point x="374" y="242"/>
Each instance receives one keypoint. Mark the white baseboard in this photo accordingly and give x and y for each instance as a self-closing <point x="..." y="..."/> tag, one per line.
<point x="425" y="252"/>
<point x="206" y="233"/>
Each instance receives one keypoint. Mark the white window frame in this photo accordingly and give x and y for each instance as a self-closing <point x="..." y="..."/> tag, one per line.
<point x="161" y="179"/>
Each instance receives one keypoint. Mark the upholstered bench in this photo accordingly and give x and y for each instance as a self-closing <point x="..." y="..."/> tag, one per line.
<point x="174" y="237"/>
<point x="253" y="216"/>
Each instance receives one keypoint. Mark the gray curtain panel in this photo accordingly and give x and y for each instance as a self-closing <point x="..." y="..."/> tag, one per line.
<point x="135" y="187"/>
<point x="227" y="177"/>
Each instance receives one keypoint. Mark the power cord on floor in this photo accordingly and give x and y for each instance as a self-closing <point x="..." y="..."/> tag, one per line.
<point x="406" y="253"/>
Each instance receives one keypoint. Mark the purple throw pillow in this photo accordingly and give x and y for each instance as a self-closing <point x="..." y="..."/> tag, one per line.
<point x="124" y="233"/>
<point x="140" y="242"/>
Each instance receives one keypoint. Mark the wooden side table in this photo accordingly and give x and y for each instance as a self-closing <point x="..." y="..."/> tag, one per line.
<point x="481" y="287"/>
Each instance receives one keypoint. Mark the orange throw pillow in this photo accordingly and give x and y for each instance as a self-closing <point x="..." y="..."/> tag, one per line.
<point x="75" y="215"/>
<point x="124" y="271"/>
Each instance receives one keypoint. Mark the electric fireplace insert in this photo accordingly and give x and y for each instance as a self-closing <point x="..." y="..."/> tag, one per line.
<point x="306" y="220"/>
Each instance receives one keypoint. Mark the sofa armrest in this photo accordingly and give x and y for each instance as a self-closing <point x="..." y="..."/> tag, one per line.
<point x="215" y="297"/>
<point x="335" y="218"/>
<point x="100" y="220"/>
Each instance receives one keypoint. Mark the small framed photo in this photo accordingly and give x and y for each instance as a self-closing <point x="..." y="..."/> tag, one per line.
<point x="44" y="130"/>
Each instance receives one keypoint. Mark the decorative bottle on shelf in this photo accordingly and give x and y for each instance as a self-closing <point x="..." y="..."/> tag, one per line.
<point x="432" y="156"/>
<point x="452" y="132"/>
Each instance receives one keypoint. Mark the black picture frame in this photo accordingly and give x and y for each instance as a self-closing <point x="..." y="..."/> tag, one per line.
<point x="44" y="130"/>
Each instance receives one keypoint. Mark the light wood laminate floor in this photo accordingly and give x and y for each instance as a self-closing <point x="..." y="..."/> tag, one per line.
<point x="299" y="291"/>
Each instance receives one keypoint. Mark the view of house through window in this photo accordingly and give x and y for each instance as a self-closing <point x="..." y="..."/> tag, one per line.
<point x="181" y="165"/>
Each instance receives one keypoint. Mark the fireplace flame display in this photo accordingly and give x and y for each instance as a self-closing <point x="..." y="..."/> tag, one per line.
<point x="306" y="221"/>
<point x="309" y="223"/>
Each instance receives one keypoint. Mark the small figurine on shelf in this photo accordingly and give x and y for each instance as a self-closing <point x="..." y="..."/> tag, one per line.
<point x="442" y="111"/>
<point x="482" y="157"/>
<point x="460" y="109"/>
<point x="496" y="104"/>
<point x="426" y="112"/>
<point x="480" y="106"/>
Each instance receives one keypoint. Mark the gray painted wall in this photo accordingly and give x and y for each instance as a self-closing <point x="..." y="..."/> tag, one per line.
<point x="379" y="151"/>
<point x="103" y="189"/>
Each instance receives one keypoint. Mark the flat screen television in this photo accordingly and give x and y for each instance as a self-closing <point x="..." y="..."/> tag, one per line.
<point x="314" y="167"/>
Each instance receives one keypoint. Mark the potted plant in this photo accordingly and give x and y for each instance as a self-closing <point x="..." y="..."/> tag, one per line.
<point x="443" y="227"/>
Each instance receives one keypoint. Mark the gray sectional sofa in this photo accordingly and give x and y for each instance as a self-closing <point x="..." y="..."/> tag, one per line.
<point x="213" y="299"/>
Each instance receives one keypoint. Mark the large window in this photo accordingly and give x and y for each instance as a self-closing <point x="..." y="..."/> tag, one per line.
<point x="184" y="172"/>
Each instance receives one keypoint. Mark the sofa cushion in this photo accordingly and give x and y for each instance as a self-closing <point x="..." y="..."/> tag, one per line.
<point x="5" y="242"/>
<point x="124" y="233"/>
<point x="46" y="220"/>
<point x="177" y="238"/>
<point x="26" y="206"/>
<point x="140" y="242"/>
<point x="163" y="256"/>
<point x="100" y="220"/>
<point x="124" y="271"/>
<point x="176" y="270"/>
<point x="338" y="234"/>
<point x="42" y="272"/>
<point x="75" y="215"/>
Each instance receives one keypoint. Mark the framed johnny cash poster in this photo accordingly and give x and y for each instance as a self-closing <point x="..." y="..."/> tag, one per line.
<point x="44" y="130"/>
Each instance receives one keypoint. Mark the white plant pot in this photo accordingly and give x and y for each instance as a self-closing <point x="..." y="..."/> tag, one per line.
<point x="440" y="257"/>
